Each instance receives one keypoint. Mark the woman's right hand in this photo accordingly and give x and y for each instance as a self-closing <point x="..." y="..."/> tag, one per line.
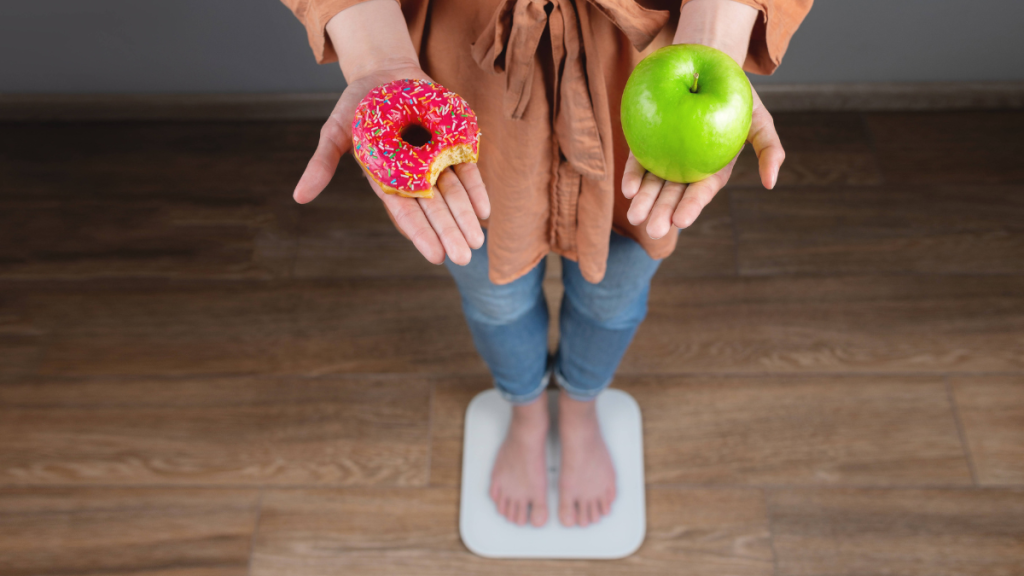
<point x="447" y="224"/>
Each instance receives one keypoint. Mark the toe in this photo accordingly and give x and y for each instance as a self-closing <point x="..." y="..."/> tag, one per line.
<point x="566" y="513"/>
<point x="503" y="507"/>
<point x="539" y="513"/>
<point x="510" y="510"/>
<point x="521" y="511"/>
<point x="582" y="518"/>
<point x="495" y="492"/>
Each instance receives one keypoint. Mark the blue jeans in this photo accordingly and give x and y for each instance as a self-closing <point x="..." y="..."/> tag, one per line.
<point x="597" y="322"/>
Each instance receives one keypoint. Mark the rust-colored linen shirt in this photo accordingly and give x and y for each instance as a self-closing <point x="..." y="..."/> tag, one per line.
<point x="545" y="78"/>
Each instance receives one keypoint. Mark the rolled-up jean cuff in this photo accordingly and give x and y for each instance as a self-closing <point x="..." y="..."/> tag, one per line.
<point x="577" y="394"/>
<point x="529" y="396"/>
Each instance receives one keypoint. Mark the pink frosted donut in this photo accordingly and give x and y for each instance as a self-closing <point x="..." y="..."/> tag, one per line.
<point x="405" y="132"/>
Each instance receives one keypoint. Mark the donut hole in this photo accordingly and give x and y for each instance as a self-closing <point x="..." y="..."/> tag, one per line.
<point x="415" y="135"/>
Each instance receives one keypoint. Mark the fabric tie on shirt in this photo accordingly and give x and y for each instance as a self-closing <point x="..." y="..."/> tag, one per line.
<point x="509" y="44"/>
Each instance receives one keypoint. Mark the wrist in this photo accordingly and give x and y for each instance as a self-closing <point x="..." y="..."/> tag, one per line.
<point x="385" y="70"/>
<point x="372" y="37"/>
<point x="722" y="24"/>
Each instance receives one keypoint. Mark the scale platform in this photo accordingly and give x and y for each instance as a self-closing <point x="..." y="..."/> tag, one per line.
<point x="488" y="534"/>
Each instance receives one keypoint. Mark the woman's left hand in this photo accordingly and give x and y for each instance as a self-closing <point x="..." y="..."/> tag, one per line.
<point x="664" y="204"/>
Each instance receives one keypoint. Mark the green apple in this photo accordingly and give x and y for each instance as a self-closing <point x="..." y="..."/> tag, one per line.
<point x="686" y="111"/>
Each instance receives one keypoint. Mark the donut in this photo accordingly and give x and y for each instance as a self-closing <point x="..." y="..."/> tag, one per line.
<point x="406" y="132"/>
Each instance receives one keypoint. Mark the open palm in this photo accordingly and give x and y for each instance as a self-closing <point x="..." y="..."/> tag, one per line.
<point x="664" y="204"/>
<point x="446" y="224"/>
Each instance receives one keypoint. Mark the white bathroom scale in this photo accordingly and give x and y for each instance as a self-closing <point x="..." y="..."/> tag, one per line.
<point x="488" y="534"/>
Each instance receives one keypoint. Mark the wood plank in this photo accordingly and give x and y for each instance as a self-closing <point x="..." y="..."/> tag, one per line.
<point x="897" y="323"/>
<point x="346" y="233"/>
<point x="120" y="200"/>
<point x="21" y="338"/>
<point x="866" y="430"/>
<point x="144" y="328"/>
<point x="382" y="326"/>
<point x="210" y="431"/>
<point x="121" y="160"/>
<point x="898" y="532"/>
<point x="166" y="532"/>
<point x="450" y="399"/>
<point x="415" y="531"/>
<point x="991" y="410"/>
<point x="708" y="248"/>
<point x="821" y="149"/>
<point x="841" y="324"/>
<point x="891" y="229"/>
<point x="971" y="147"/>
<point x="250" y="238"/>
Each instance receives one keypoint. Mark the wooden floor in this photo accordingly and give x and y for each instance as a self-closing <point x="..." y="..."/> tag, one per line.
<point x="199" y="377"/>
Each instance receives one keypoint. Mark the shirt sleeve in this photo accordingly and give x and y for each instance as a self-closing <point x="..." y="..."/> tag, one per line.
<point x="314" y="15"/>
<point x="778" y="21"/>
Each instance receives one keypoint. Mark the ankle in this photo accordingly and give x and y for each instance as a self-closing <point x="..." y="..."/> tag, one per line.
<point x="530" y="421"/>
<point x="528" y="430"/>
<point x="576" y="410"/>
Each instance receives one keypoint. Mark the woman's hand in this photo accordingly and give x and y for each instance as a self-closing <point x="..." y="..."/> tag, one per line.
<point x="373" y="45"/>
<point x="725" y="25"/>
<point x="445" y="224"/>
<point x="664" y="204"/>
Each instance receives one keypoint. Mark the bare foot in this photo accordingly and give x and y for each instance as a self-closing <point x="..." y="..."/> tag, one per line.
<point x="519" y="481"/>
<point x="586" y="488"/>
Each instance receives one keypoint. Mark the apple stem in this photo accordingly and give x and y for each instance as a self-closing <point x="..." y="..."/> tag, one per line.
<point x="694" y="89"/>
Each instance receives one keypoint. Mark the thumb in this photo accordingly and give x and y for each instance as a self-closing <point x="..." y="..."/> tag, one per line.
<point x="767" y="145"/>
<point x="335" y="140"/>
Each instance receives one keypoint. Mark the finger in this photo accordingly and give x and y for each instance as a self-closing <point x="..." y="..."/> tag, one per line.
<point x="660" y="221"/>
<point x="410" y="219"/>
<point x="643" y="201"/>
<point x="469" y="175"/>
<point x="698" y="195"/>
<point x="441" y="220"/>
<point x="632" y="176"/>
<point x="335" y="140"/>
<point x="457" y="198"/>
<point x="767" y="145"/>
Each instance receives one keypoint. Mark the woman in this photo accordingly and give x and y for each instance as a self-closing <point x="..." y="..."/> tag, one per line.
<point x="545" y="78"/>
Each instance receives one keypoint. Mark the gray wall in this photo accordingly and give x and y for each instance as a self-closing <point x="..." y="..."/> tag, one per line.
<point x="195" y="46"/>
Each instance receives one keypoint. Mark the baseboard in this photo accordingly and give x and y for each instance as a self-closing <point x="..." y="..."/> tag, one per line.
<point x="237" y="107"/>
<point x="911" y="96"/>
<point x="169" y="107"/>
